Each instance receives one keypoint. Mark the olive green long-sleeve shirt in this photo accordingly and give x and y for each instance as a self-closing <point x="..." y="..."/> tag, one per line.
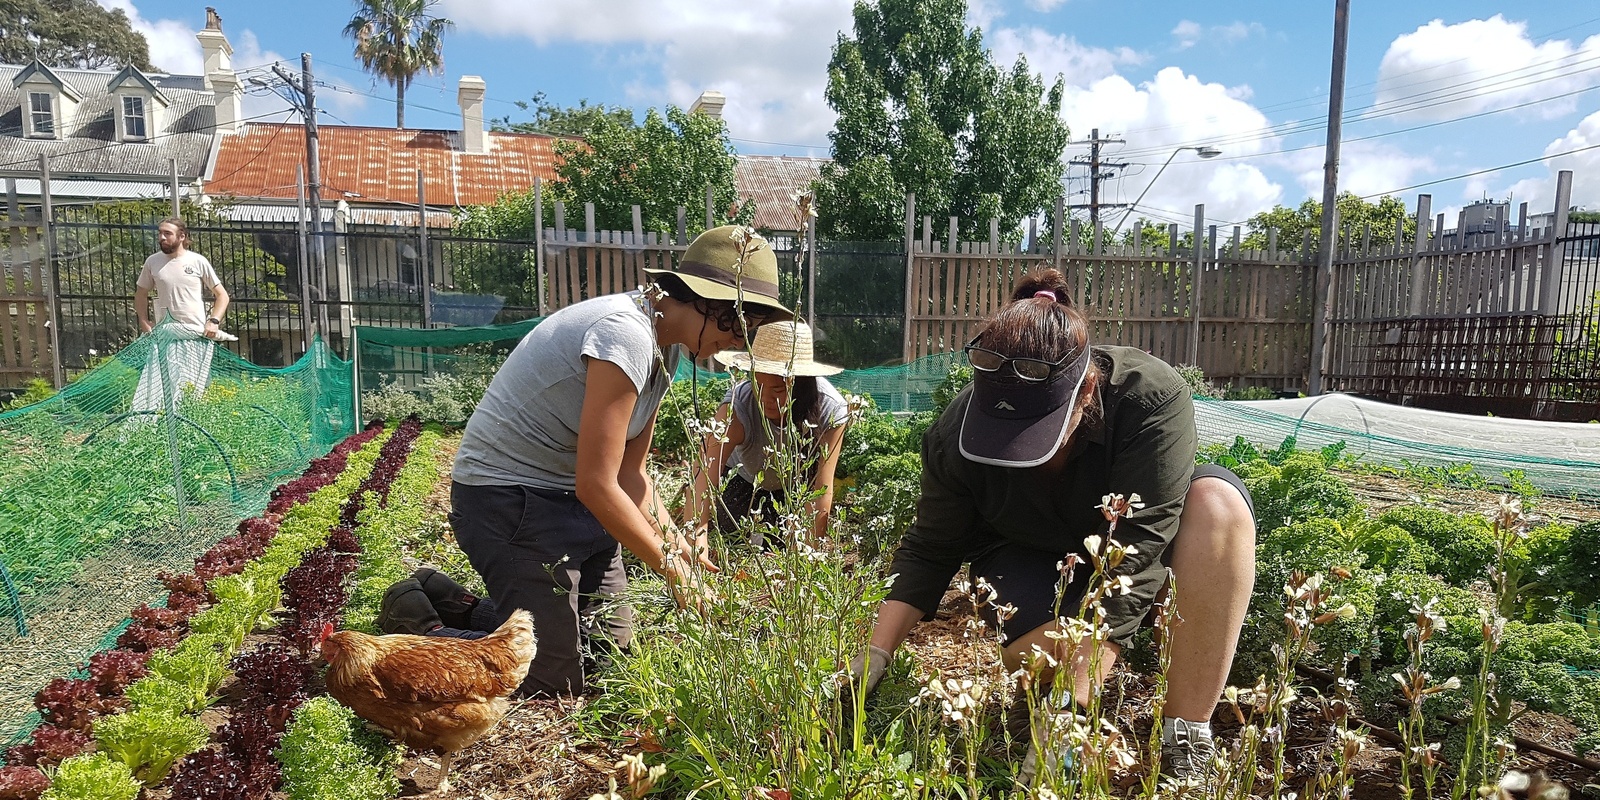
<point x="1141" y="442"/>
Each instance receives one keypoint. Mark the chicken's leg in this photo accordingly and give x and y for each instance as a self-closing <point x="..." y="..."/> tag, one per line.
<point x="444" y="774"/>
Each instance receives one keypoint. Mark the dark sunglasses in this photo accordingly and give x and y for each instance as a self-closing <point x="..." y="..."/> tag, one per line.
<point x="1033" y="370"/>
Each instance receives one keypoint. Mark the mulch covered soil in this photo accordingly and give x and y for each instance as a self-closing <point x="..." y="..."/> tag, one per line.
<point x="539" y="751"/>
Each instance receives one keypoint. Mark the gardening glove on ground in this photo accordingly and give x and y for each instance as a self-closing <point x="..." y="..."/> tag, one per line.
<point x="869" y="666"/>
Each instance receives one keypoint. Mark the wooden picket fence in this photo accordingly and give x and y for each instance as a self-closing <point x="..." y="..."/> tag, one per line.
<point x="24" y="304"/>
<point x="1246" y="321"/>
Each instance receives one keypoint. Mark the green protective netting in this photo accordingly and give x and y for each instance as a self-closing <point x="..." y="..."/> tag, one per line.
<point x="119" y="477"/>
<point x="440" y="373"/>
<point x="1561" y="458"/>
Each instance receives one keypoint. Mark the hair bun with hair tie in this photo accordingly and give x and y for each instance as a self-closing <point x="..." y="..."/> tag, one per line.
<point x="1047" y="293"/>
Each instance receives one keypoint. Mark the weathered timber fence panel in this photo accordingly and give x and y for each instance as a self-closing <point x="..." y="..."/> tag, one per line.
<point x="24" y="304"/>
<point x="1253" y="322"/>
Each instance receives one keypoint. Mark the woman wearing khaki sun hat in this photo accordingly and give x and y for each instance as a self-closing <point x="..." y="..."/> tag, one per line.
<point x="550" y="484"/>
<point x="786" y="399"/>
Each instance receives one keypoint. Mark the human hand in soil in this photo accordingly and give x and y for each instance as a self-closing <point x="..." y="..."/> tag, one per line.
<point x="869" y="666"/>
<point x="700" y="546"/>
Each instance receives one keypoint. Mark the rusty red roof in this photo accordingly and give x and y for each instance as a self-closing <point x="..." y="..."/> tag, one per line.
<point x="772" y="181"/>
<point x="379" y="165"/>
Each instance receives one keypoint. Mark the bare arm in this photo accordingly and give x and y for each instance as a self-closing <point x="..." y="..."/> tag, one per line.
<point x="822" y="507"/>
<point x="635" y="480"/>
<point x="219" y="306"/>
<point x="895" y="621"/>
<point x="141" y="307"/>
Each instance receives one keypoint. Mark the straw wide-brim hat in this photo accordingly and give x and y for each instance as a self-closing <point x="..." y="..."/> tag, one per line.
<point x="711" y="268"/>
<point x="779" y="348"/>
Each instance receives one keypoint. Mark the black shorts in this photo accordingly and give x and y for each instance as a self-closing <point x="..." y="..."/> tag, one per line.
<point x="1027" y="578"/>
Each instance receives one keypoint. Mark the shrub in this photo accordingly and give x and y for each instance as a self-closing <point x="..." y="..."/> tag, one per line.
<point x="323" y="757"/>
<point x="1391" y="548"/>
<point x="92" y="777"/>
<point x="438" y="398"/>
<point x="1452" y="651"/>
<point x="149" y="741"/>
<point x="682" y="413"/>
<point x="1462" y="547"/>
<point x="1298" y="488"/>
<point x="1578" y="571"/>
<point x="955" y="379"/>
<point x="884" y="502"/>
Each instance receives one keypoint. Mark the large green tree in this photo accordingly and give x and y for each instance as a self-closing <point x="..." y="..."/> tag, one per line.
<point x="70" y="33"/>
<point x="1355" y="215"/>
<point x="561" y="120"/>
<point x="396" y="40"/>
<point x="664" y="162"/>
<point x="922" y="108"/>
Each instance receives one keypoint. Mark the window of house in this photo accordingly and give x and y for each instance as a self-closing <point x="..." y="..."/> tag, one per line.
<point x="42" y="113"/>
<point x="133" y="121"/>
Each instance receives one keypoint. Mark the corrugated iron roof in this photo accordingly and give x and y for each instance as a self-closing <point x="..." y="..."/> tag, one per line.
<point x="379" y="165"/>
<point x="771" y="181"/>
<point x="89" y="147"/>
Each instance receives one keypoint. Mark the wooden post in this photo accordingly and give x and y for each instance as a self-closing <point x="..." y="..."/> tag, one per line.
<point x="538" y="240"/>
<point x="1197" y="271"/>
<point x="588" y="222"/>
<point x="1419" y="259"/>
<point x="307" y="306"/>
<point x="424" y="263"/>
<point x="1550" y="279"/>
<point x="994" y="235"/>
<point x="683" y="226"/>
<point x="811" y="280"/>
<point x="911" y="260"/>
<point x="47" y="230"/>
<point x="177" y="203"/>
<point x="1056" y="231"/>
<point x="638" y="224"/>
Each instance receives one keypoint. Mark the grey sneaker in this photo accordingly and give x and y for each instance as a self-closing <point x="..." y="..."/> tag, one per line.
<point x="1188" y="760"/>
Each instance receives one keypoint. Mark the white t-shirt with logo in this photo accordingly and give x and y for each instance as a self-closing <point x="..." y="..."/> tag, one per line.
<point x="179" y="283"/>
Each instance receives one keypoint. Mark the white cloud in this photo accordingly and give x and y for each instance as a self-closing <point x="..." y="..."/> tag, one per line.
<point x="1540" y="191"/>
<point x="1365" y="167"/>
<point x="1045" y="6"/>
<point x="1479" y="65"/>
<point x="1171" y="110"/>
<point x="766" y="56"/>
<point x="1188" y="33"/>
<point x="1052" y="54"/>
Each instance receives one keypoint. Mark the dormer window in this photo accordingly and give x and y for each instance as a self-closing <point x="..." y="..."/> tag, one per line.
<point x="133" y="119"/>
<point x="41" y="115"/>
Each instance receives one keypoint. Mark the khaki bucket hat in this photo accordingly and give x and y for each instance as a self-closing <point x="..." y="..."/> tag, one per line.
<point x="711" y="269"/>
<point x="779" y="348"/>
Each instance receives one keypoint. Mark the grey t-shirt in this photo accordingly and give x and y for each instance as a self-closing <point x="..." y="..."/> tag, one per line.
<point x="750" y="457"/>
<point x="525" y="430"/>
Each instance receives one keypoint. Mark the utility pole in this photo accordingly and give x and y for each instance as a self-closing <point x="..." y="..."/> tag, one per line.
<point x="1095" y="165"/>
<point x="308" y="111"/>
<point x="1330" y="197"/>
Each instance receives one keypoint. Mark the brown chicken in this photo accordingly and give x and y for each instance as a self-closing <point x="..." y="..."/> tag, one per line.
<point x="431" y="693"/>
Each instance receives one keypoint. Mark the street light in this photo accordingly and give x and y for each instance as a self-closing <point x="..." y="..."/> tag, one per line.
<point x="1204" y="151"/>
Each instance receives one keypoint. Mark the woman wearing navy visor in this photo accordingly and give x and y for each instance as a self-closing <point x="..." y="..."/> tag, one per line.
<point x="1013" y="472"/>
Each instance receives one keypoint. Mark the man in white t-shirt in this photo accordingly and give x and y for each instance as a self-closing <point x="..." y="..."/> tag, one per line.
<point x="179" y="275"/>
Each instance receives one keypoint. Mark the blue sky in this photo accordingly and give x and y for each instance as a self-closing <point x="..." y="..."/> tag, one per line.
<point x="1494" y="83"/>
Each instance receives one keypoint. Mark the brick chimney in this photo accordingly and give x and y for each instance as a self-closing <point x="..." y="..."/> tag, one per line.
<point x="469" y="95"/>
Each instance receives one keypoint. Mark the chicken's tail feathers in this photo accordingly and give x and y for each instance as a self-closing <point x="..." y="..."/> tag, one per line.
<point x="518" y="629"/>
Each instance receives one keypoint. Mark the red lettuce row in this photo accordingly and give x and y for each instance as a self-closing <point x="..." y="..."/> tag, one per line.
<point x="69" y="706"/>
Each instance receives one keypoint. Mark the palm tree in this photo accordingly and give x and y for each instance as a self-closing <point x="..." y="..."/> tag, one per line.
<point x="395" y="40"/>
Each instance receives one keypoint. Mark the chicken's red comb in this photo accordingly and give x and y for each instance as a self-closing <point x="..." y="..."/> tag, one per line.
<point x="327" y="630"/>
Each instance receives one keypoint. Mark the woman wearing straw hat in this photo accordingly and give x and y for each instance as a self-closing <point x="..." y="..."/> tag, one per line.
<point x="549" y="483"/>
<point x="787" y="407"/>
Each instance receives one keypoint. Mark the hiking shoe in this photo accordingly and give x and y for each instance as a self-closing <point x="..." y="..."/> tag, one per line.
<point x="407" y="609"/>
<point x="451" y="600"/>
<point x="1188" y="760"/>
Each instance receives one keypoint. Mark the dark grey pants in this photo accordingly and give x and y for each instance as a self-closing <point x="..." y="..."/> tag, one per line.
<point x="542" y="550"/>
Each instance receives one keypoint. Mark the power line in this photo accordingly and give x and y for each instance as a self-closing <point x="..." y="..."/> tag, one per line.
<point x="1476" y="173"/>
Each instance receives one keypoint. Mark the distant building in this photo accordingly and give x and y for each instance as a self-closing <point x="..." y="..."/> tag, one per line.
<point x="772" y="181"/>
<point x="114" y="134"/>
